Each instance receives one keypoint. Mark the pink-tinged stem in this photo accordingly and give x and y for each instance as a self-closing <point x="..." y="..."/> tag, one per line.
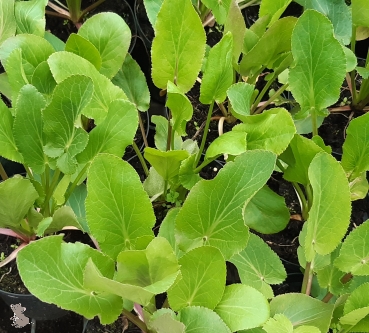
<point x="8" y="232"/>
<point x="138" y="309"/>
<point x="12" y="255"/>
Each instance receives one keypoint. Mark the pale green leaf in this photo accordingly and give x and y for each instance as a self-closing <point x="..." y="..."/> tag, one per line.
<point x="242" y="307"/>
<point x="278" y="324"/>
<point x="329" y="215"/>
<point x="203" y="277"/>
<point x="165" y="321"/>
<point x="77" y="202"/>
<point x="359" y="187"/>
<point x="58" y="277"/>
<point x="232" y="143"/>
<point x="132" y="81"/>
<point x="219" y="9"/>
<point x="198" y="319"/>
<point x="301" y="310"/>
<point x="187" y="176"/>
<point x="320" y="63"/>
<point x="152" y="9"/>
<point x="56" y="43"/>
<point x="117" y="207"/>
<point x="61" y="188"/>
<point x="17" y="196"/>
<point x="111" y="36"/>
<point x="161" y="134"/>
<point x="64" y="139"/>
<point x="354" y="254"/>
<point x="218" y="73"/>
<point x="351" y="60"/>
<point x="360" y="13"/>
<point x="167" y="228"/>
<point x="63" y="217"/>
<point x="64" y="64"/>
<point x="240" y="95"/>
<point x="258" y="266"/>
<point x="277" y="40"/>
<point x="28" y="128"/>
<point x="362" y="33"/>
<point x="30" y="17"/>
<point x="115" y="132"/>
<point x="43" y="80"/>
<point x="5" y="87"/>
<point x="179" y="45"/>
<point x="8" y="149"/>
<point x="7" y="19"/>
<point x="307" y="329"/>
<point x="259" y="27"/>
<point x="272" y="130"/>
<point x="215" y="207"/>
<point x="274" y="8"/>
<point x="84" y="48"/>
<point x="154" y="184"/>
<point x="266" y="212"/>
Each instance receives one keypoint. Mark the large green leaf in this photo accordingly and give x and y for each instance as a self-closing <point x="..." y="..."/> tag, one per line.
<point x="111" y="36"/>
<point x="17" y="196"/>
<point x="302" y="310"/>
<point x="274" y="8"/>
<point x="218" y="73"/>
<point x="252" y="267"/>
<point x="203" y="277"/>
<point x="118" y="209"/>
<point x="354" y="254"/>
<point x="272" y="130"/>
<point x="30" y="17"/>
<point x="329" y="215"/>
<point x="266" y="212"/>
<point x="320" y="63"/>
<point x="132" y="81"/>
<point x="242" y="307"/>
<point x="28" y="128"/>
<point x="58" y="277"/>
<point x="277" y="40"/>
<point x="64" y="64"/>
<point x="178" y="46"/>
<point x="64" y="139"/>
<point x="338" y="13"/>
<point x="212" y="212"/>
<point x="8" y="149"/>
<point x="7" y="20"/>
<point x="360" y="13"/>
<point x="114" y="134"/>
<point x="198" y="319"/>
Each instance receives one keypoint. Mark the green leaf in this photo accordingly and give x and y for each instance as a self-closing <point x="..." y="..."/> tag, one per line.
<point x="17" y="196"/>
<point x="188" y="178"/>
<point x="154" y="269"/>
<point x="242" y="307"/>
<point x="30" y="17"/>
<point x="277" y="40"/>
<point x="329" y="215"/>
<point x="7" y="20"/>
<point x="166" y="163"/>
<point x="152" y="9"/>
<point x="84" y="48"/>
<point x="111" y="36"/>
<point x="302" y="310"/>
<point x="338" y="13"/>
<point x="240" y="95"/>
<point x="161" y="134"/>
<point x="61" y="188"/>
<point x="351" y="60"/>
<point x="266" y="212"/>
<point x="320" y="63"/>
<point x="5" y="87"/>
<point x="356" y="147"/>
<point x="114" y="134"/>
<point x="273" y="8"/>
<point x="233" y="143"/>
<point x="165" y="321"/>
<point x="360" y="13"/>
<point x="215" y="207"/>
<point x="219" y="9"/>
<point x="77" y="202"/>
<point x="127" y="213"/>
<point x="58" y="277"/>
<point x="354" y="254"/>
<point x="56" y="43"/>
<point x="278" y="324"/>
<point x="132" y="81"/>
<point x="218" y="74"/>
<point x="167" y="228"/>
<point x="64" y="64"/>
<point x="8" y="149"/>
<point x="43" y="80"/>
<point x="198" y="319"/>
<point x="272" y="130"/>
<point x="154" y="184"/>
<point x="180" y="107"/>
<point x="203" y="277"/>
<point x="250" y="263"/>
<point x="63" y="138"/>
<point x="179" y="45"/>
<point x="28" y="128"/>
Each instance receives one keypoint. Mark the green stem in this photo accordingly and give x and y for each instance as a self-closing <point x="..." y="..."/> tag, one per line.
<point x="346" y="278"/>
<point x="353" y="73"/>
<point x="271" y="99"/>
<point x="76" y="181"/>
<point x="3" y="174"/>
<point x="140" y="157"/>
<point x="135" y="320"/>
<point x="204" y="164"/>
<point x="89" y="8"/>
<point x="314" y="121"/>
<point x="29" y="172"/>
<point x="205" y="133"/>
<point x="306" y="282"/>
<point x="309" y="194"/>
<point x="50" y="192"/>
<point x="142" y="129"/>
<point x="261" y="95"/>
